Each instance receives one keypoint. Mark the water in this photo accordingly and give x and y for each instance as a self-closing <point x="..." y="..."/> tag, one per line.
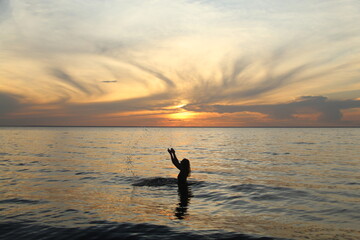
<point x="119" y="183"/>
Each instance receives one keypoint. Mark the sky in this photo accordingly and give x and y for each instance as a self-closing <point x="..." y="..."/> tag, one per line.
<point x="180" y="63"/>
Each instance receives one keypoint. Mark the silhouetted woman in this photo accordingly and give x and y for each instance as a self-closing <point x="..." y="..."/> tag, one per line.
<point x="183" y="190"/>
<point x="183" y="166"/>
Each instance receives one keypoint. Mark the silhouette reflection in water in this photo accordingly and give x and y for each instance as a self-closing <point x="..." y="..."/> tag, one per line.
<point x="185" y="194"/>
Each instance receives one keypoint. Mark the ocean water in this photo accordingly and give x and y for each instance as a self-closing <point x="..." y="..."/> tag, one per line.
<point x="119" y="183"/>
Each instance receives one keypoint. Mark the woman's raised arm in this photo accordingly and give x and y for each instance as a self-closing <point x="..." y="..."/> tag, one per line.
<point x="174" y="159"/>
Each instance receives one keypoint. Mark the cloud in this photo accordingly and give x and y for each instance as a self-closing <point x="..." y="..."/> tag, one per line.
<point x="8" y="103"/>
<point x="66" y="78"/>
<point x="142" y="110"/>
<point x="5" y="9"/>
<point x="244" y="78"/>
<point x="157" y="74"/>
<point x="152" y="102"/>
<point x="86" y="88"/>
<point x="113" y="81"/>
<point x="329" y="110"/>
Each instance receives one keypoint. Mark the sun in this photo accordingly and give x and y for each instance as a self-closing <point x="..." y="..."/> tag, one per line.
<point x="180" y="113"/>
<point x="183" y="115"/>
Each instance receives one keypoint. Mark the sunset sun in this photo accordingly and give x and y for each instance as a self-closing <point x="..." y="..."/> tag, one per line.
<point x="183" y="115"/>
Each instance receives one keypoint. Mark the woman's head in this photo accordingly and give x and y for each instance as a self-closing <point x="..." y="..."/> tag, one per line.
<point x="185" y="166"/>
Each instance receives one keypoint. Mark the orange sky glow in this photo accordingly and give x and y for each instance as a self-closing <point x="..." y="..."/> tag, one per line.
<point x="180" y="63"/>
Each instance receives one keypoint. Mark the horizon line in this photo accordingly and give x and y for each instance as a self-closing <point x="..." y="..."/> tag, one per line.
<point x="99" y="126"/>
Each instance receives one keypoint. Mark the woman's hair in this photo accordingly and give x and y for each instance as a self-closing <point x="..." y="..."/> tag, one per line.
<point x="185" y="165"/>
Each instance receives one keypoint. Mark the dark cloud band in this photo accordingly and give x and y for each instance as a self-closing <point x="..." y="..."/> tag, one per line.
<point x="330" y="110"/>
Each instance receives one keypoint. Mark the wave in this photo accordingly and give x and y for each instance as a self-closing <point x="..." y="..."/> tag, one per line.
<point x="108" y="230"/>
<point x="155" y="182"/>
<point x="5" y="154"/>
<point x="306" y="143"/>
<point x="21" y="201"/>
<point x="160" y="181"/>
<point x="243" y="193"/>
<point x="257" y="188"/>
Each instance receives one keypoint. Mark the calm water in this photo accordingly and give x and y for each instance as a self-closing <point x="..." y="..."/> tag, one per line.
<point x="108" y="183"/>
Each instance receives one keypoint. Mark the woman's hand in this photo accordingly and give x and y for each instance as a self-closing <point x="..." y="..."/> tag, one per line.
<point x="172" y="150"/>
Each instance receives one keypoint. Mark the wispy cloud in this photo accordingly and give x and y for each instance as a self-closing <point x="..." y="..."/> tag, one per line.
<point x="152" y="102"/>
<point x="112" y="81"/>
<point x="157" y="74"/>
<point x="328" y="110"/>
<point x="68" y="112"/>
<point x="66" y="78"/>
